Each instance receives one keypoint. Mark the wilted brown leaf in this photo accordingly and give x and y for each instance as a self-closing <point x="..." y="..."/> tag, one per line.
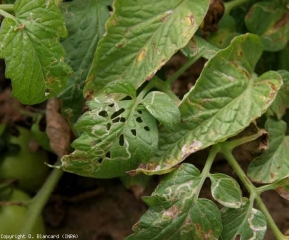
<point x="57" y="128"/>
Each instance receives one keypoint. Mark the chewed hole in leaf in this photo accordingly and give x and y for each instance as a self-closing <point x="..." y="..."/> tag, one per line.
<point x="139" y="111"/>
<point x="111" y="105"/>
<point x="103" y="113"/>
<point x="128" y="98"/>
<point x="139" y="120"/>
<point x="93" y="143"/>
<point x="47" y="92"/>
<point x="109" y="8"/>
<point x="118" y="119"/>
<point x="147" y="128"/>
<point x="100" y="160"/>
<point x="117" y="113"/>
<point x="121" y="140"/>
<point x="133" y="131"/>
<point x="108" y="126"/>
<point x="107" y="155"/>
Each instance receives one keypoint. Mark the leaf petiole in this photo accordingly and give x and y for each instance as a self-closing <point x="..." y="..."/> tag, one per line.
<point x="254" y="193"/>
<point x="237" y="142"/>
<point x="9" y="8"/>
<point x="206" y="170"/>
<point x="178" y="73"/>
<point x="38" y="202"/>
<point x="6" y="14"/>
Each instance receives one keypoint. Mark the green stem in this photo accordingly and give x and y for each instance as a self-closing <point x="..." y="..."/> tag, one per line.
<point x="265" y="188"/>
<point x="237" y="142"/>
<point x="178" y="73"/>
<point x="7" y="8"/>
<point x="235" y="3"/>
<point x="206" y="170"/>
<point x="252" y="190"/>
<point x="270" y="220"/>
<point x="7" y="15"/>
<point x="39" y="201"/>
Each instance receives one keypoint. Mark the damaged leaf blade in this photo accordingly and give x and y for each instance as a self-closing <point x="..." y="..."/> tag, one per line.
<point x="33" y="55"/>
<point x="270" y="21"/>
<point x="281" y="102"/>
<point x="227" y="97"/>
<point x="163" y="108"/>
<point x="246" y="221"/>
<point x="115" y="138"/>
<point x="85" y="22"/>
<point x="226" y="190"/>
<point x="174" y="213"/>
<point x="141" y="37"/>
<point x="273" y="164"/>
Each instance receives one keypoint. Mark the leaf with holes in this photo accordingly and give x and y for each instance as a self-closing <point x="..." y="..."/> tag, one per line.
<point x="226" y="190"/>
<point x="85" y="22"/>
<point x="281" y="102"/>
<point x="141" y="37"/>
<point x="246" y="221"/>
<point x="226" y="98"/>
<point x="174" y="212"/>
<point x="34" y="57"/>
<point x="270" y="21"/>
<point x="115" y="138"/>
<point x="163" y="108"/>
<point x="273" y="164"/>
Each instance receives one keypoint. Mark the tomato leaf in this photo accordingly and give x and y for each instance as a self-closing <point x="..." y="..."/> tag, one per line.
<point x="270" y="21"/>
<point x="174" y="213"/>
<point x="226" y="190"/>
<point x="226" y="98"/>
<point x="141" y="37"/>
<point x="34" y="57"/>
<point x="197" y="46"/>
<point x="115" y="138"/>
<point x="246" y="221"/>
<point x="281" y="102"/>
<point x="282" y="188"/>
<point x="85" y="22"/>
<point x="122" y="87"/>
<point x="273" y="164"/>
<point x="163" y="108"/>
<point x="225" y="33"/>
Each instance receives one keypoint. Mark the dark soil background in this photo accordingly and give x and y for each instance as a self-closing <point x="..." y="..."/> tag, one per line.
<point x="104" y="209"/>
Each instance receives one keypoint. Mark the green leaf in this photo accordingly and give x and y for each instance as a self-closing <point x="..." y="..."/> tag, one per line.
<point x="227" y="97"/>
<point x="281" y="102"/>
<point x="282" y="187"/>
<point x="139" y="181"/>
<point x="163" y="108"/>
<point x="85" y="22"/>
<point x="225" y="33"/>
<point x="115" y="138"/>
<point x="121" y="86"/>
<point x="246" y="221"/>
<point x="273" y="164"/>
<point x="34" y="57"/>
<point x="174" y="213"/>
<point x="226" y="190"/>
<point x="141" y="37"/>
<point x="270" y="21"/>
<point x="197" y="46"/>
